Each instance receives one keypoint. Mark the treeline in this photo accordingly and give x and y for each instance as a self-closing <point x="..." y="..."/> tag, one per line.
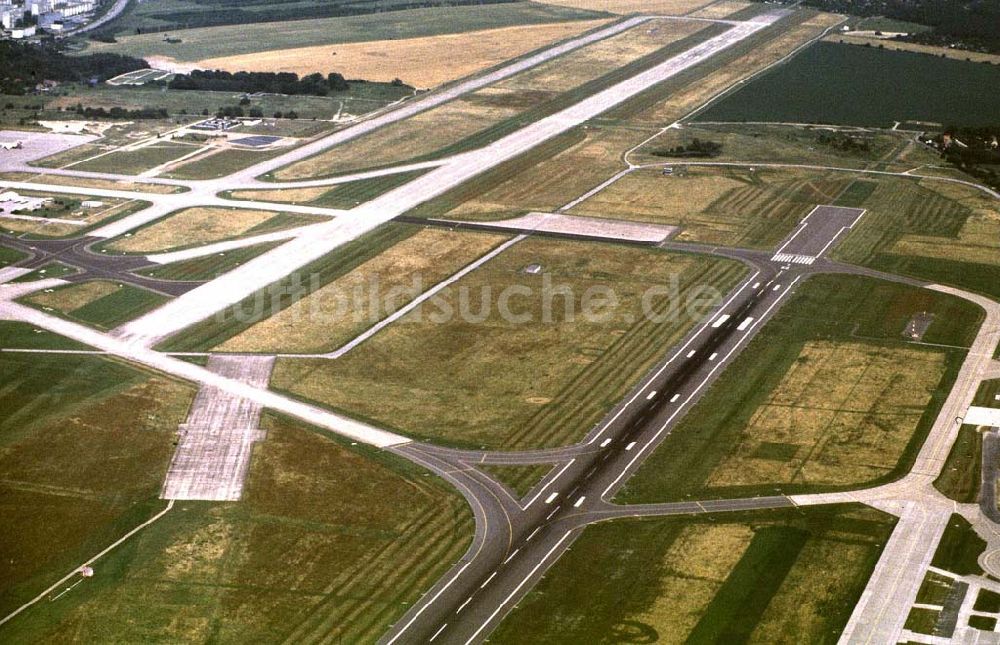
<point x="697" y="148"/>
<point x="844" y="142"/>
<point x="236" y="12"/>
<point x="121" y="113"/>
<point x="973" y="24"/>
<point x="978" y="154"/>
<point x="264" y="82"/>
<point x="24" y="65"/>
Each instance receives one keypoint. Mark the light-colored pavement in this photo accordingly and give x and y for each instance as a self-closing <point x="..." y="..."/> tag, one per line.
<point x="231" y="288"/>
<point x="344" y="426"/>
<point x="577" y="226"/>
<point x="212" y="458"/>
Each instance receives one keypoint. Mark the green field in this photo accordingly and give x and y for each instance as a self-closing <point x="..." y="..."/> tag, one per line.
<point x="434" y="376"/>
<point x="519" y="479"/>
<point x="817" y="86"/>
<point x="253" y="35"/>
<point x="209" y="267"/>
<point x="714" y="450"/>
<point x="326" y="543"/>
<point x="959" y="549"/>
<point x="961" y="475"/>
<point x="84" y="445"/>
<point x="20" y="335"/>
<point x="988" y="394"/>
<point x="730" y="578"/>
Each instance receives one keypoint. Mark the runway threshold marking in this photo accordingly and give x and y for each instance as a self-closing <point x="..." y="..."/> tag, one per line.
<point x="551" y="498"/>
<point x="712" y="357"/>
<point x="720" y="321"/>
<point x="691" y="353"/>
<point x="746" y="323"/>
<point x="674" y="398"/>
<point x="579" y="502"/>
<point x="630" y="446"/>
<point x="604" y="444"/>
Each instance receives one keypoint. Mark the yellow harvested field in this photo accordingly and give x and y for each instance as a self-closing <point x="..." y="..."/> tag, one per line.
<point x="421" y="62"/>
<point x="678" y="7"/>
<point x="189" y="227"/>
<point x="843" y="414"/>
<point x="287" y="195"/>
<point x="875" y="41"/>
<point x="696" y="565"/>
<point x="604" y="56"/>
<point x="721" y="9"/>
<point x="334" y="314"/>
<point x="421" y="134"/>
<point x="72" y="297"/>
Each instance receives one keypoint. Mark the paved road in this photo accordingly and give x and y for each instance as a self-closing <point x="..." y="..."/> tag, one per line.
<point x="519" y="539"/>
<point x="264" y="270"/>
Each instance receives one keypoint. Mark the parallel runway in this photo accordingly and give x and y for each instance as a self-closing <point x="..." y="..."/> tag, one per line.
<point x="518" y="540"/>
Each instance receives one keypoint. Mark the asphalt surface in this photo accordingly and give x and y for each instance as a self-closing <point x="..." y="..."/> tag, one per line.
<point x="92" y="266"/>
<point x="517" y="540"/>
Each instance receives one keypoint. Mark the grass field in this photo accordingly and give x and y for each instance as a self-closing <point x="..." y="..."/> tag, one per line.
<point x="959" y="548"/>
<point x="208" y="267"/>
<point x="774" y="144"/>
<point x="864" y="40"/>
<point x="134" y="162"/>
<point x="729" y="578"/>
<point x="488" y="114"/>
<point x="86" y="182"/>
<point x="678" y="7"/>
<point x="432" y="375"/>
<point x="929" y="230"/>
<point x="988" y="394"/>
<point x="101" y="304"/>
<point x="813" y="84"/>
<point x="420" y="62"/>
<point x="519" y="479"/>
<point x="50" y="270"/>
<point x="961" y="474"/>
<point x="285" y="292"/>
<point x="327" y="542"/>
<point x="84" y="445"/>
<point x="212" y="42"/>
<point x="725" y="445"/>
<point x="202" y="225"/>
<point x="221" y="163"/>
<point x="842" y="414"/>
<point x="726" y="207"/>
<point x="340" y="310"/>
<point x="20" y="335"/>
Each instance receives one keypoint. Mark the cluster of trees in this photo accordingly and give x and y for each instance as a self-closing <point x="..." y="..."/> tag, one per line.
<point x="697" y="148"/>
<point x="266" y="82"/>
<point x="24" y="65"/>
<point x="233" y="111"/>
<point x="972" y="24"/>
<point x="121" y="113"/>
<point x="978" y="155"/>
<point x="844" y="142"/>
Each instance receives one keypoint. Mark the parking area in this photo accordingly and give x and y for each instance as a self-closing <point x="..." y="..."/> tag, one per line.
<point x="35" y="145"/>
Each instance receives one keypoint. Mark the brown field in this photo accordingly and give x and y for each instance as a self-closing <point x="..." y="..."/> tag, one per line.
<point x="421" y="62"/>
<point x="874" y="41"/>
<point x="421" y="134"/>
<point x="635" y="6"/>
<point x="199" y="225"/>
<point x="322" y="322"/>
<point x="86" y="182"/>
<point x="730" y="207"/>
<point x="66" y="299"/>
<point x="287" y="195"/>
<point x="842" y="414"/>
<point x="602" y="57"/>
<point x="721" y="9"/>
<point x="558" y="180"/>
<point x="979" y="239"/>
